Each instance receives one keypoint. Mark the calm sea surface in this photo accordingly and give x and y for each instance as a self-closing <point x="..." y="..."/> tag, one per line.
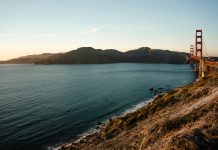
<point x="45" y="105"/>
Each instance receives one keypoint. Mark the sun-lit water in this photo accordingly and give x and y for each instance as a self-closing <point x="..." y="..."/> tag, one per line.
<point x="44" y="105"/>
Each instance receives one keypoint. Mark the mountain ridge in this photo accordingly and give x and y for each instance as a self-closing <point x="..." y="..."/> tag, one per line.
<point x="89" y="55"/>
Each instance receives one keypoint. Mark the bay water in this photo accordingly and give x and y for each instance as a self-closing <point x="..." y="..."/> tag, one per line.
<point x="42" y="106"/>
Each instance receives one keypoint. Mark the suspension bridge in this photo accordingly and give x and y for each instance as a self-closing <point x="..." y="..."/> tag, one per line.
<point x="204" y="65"/>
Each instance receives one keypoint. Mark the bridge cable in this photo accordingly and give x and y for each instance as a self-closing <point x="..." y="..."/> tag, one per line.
<point x="205" y="47"/>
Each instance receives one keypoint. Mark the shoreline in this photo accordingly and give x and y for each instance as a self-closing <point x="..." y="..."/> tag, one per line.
<point x="112" y="134"/>
<point x="97" y="128"/>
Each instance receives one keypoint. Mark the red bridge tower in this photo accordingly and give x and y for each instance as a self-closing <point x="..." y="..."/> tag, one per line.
<point x="198" y="47"/>
<point x="191" y="54"/>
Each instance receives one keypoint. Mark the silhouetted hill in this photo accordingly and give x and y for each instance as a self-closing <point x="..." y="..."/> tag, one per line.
<point x="213" y="58"/>
<point x="30" y="59"/>
<point x="86" y="55"/>
<point x="89" y="55"/>
<point x="148" y="55"/>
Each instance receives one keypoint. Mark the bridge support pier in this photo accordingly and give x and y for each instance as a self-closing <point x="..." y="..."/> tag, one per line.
<point x="202" y="69"/>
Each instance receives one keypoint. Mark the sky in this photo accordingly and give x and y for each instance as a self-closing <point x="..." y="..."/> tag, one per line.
<point x="52" y="26"/>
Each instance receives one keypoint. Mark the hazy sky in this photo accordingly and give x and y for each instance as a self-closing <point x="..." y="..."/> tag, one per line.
<point x="38" y="26"/>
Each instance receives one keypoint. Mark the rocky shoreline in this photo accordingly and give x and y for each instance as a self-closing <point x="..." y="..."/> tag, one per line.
<point x="184" y="118"/>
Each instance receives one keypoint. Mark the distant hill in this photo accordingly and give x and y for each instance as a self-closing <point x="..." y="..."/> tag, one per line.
<point x="30" y="59"/>
<point x="213" y="58"/>
<point x="89" y="55"/>
<point x="147" y="55"/>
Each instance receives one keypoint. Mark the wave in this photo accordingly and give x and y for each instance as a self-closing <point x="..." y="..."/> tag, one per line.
<point x="138" y="106"/>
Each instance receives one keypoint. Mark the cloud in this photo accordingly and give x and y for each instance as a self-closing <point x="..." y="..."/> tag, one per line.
<point x="91" y="31"/>
<point x="143" y="26"/>
<point x="112" y="27"/>
<point x="97" y="29"/>
<point x="51" y="34"/>
<point x="47" y="35"/>
<point x="9" y="34"/>
<point x="6" y="35"/>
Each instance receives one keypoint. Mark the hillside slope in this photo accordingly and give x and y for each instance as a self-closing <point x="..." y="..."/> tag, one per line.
<point x="89" y="55"/>
<point x="30" y="59"/>
<point x="185" y="118"/>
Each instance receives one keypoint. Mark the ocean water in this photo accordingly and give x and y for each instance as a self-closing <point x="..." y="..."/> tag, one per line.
<point x="46" y="105"/>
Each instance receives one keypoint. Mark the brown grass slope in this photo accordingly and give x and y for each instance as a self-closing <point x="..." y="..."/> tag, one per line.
<point x="185" y="118"/>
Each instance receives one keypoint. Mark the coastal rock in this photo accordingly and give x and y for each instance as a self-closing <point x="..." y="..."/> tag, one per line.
<point x="151" y="89"/>
<point x="99" y="122"/>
